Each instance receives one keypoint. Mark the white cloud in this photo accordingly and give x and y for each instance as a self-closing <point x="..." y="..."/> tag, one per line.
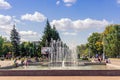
<point x="62" y="24"/>
<point x="68" y="24"/>
<point x="4" y="4"/>
<point x="5" y="19"/>
<point x="29" y="36"/>
<point x="23" y="40"/>
<point x="69" y="3"/>
<point x="5" y="24"/>
<point x="58" y="2"/>
<point x="70" y="33"/>
<point x="28" y="33"/>
<point x="118" y="1"/>
<point x="38" y="17"/>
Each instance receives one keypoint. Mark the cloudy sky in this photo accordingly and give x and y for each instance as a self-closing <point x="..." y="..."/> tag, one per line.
<point x="74" y="19"/>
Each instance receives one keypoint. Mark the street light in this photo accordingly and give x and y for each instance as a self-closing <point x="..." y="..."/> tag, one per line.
<point x="89" y="47"/>
<point x="103" y="47"/>
<point x="89" y="52"/>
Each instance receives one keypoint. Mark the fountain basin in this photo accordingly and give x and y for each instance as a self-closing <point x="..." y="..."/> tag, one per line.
<point x="60" y="73"/>
<point x="92" y="63"/>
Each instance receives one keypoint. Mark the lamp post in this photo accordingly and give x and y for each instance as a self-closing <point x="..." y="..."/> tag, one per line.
<point x="89" y="50"/>
<point x="34" y="49"/>
<point x="103" y="47"/>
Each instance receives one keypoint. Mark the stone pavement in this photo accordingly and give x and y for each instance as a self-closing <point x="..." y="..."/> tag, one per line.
<point x="7" y="63"/>
<point x="59" y="78"/>
<point x="114" y="63"/>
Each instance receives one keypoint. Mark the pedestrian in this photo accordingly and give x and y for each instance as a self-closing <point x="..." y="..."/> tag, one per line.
<point x="22" y="61"/>
<point x="26" y="62"/>
<point x="99" y="59"/>
<point x="16" y="63"/>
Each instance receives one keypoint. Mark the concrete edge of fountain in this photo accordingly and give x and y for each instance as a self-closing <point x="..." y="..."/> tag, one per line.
<point x="95" y="63"/>
<point x="13" y="66"/>
<point x="35" y="64"/>
<point x="59" y="72"/>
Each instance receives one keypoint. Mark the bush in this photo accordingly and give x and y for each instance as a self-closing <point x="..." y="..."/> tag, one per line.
<point x="85" y="58"/>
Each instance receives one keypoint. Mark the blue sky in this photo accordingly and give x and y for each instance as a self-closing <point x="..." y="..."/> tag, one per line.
<point x="74" y="19"/>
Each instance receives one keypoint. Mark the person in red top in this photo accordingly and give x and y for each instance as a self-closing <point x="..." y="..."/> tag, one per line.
<point x="99" y="59"/>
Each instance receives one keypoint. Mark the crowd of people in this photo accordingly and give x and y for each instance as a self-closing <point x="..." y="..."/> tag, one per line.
<point x="100" y="59"/>
<point x="25" y="61"/>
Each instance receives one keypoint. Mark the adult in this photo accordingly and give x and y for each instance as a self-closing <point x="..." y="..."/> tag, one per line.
<point x="26" y="62"/>
<point x="22" y="61"/>
<point x="99" y="59"/>
<point x="16" y="63"/>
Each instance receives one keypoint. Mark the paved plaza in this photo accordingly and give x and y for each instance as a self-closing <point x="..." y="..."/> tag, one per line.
<point x="59" y="78"/>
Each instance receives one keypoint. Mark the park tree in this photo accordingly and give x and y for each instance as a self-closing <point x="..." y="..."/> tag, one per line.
<point x="29" y="49"/>
<point x="26" y="49"/>
<point x="95" y="43"/>
<point x="15" y="41"/>
<point x="49" y="33"/>
<point x="23" y="49"/>
<point x="1" y="45"/>
<point x="39" y="50"/>
<point x="82" y="50"/>
<point x="7" y="47"/>
<point x="111" y="40"/>
<point x="55" y="34"/>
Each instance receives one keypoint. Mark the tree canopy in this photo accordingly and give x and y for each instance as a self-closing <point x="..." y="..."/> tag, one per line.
<point x="1" y="44"/>
<point x="15" y="41"/>
<point x="111" y="36"/>
<point x="107" y="42"/>
<point x="49" y="33"/>
<point x="95" y="43"/>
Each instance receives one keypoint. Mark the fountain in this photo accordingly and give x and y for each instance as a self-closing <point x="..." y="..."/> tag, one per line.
<point x="60" y="55"/>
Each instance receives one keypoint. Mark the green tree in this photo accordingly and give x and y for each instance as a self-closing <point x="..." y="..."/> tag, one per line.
<point x="15" y="41"/>
<point x="23" y="49"/>
<point x="7" y="47"/>
<point x="82" y="50"/>
<point x="29" y="49"/>
<point x="55" y="34"/>
<point x="1" y="45"/>
<point x="112" y="40"/>
<point x="49" y="33"/>
<point x="26" y="49"/>
<point x="95" y="43"/>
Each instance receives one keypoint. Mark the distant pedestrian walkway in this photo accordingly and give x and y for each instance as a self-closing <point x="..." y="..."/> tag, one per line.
<point x="114" y="62"/>
<point x="7" y="63"/>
